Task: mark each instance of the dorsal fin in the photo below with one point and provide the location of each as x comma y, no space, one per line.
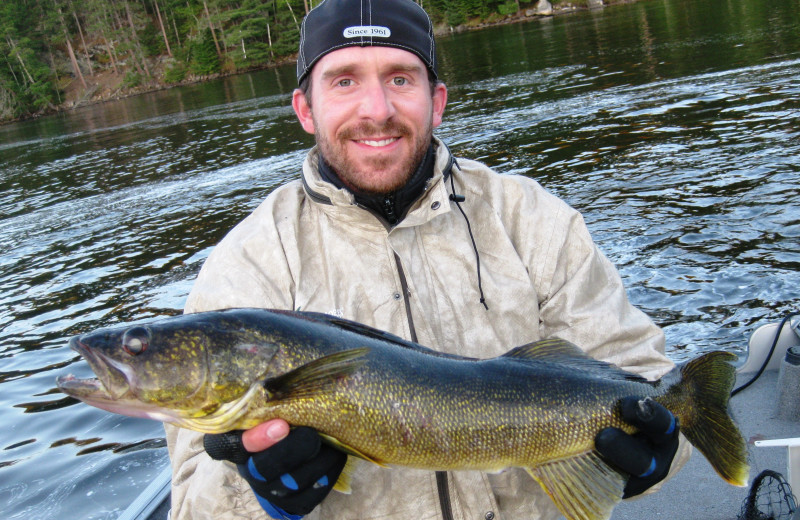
552,349
557,350
371,332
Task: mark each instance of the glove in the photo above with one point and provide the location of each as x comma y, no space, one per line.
290,478
647,454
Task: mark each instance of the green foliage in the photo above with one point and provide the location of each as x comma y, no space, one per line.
455,18
507,8
175,72
152,42
204,58
132,79
27,81
251,34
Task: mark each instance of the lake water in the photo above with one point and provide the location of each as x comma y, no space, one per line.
673,125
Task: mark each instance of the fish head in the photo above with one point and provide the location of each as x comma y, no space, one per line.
174,370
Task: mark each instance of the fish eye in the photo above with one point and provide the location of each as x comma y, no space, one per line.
136,340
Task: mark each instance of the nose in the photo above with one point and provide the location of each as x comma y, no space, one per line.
376,103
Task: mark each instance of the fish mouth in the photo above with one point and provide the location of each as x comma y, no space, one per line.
110,390
110,384
71,385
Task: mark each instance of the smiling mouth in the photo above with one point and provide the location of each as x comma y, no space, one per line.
378,143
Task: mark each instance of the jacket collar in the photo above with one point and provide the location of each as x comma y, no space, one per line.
342,202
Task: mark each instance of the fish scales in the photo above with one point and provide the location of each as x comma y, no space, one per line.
393,402
429,418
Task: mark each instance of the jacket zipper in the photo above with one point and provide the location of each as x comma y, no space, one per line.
404,289
441,476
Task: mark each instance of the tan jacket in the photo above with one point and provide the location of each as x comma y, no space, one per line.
308,247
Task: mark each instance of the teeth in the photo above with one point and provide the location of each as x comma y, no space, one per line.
384,142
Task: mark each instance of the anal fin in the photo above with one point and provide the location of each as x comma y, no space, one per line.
583,487
344,482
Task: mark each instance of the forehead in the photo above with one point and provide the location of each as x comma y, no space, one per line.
367,59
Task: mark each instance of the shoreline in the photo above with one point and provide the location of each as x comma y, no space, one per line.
107,87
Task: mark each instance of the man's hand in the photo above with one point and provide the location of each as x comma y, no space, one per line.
647,454
290,471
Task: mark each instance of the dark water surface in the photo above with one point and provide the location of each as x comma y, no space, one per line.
673,125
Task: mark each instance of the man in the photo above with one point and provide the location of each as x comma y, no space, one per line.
387,228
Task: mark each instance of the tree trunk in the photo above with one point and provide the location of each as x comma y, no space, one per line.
177,34
83,40
16,52
71,53
269,39
293,16
211,26
120,26
111,54
10,67
55,71
163,31
136,40
74,62
221,30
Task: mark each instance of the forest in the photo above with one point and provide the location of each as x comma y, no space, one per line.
62,52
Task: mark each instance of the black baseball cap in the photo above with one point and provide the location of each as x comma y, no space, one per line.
335,24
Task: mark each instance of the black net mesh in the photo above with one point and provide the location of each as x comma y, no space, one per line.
770,498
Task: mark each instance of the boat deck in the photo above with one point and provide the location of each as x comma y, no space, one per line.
697,492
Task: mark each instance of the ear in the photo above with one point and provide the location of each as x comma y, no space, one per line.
439,102
303,111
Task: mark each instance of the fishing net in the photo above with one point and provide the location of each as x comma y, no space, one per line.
770,498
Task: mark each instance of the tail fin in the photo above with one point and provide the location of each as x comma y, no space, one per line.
700,401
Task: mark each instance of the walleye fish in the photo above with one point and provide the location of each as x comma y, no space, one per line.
387,400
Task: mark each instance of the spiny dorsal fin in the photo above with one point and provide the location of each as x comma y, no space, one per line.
557,350
582,487
373,333
312,378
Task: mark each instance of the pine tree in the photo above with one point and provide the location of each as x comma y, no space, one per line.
205,59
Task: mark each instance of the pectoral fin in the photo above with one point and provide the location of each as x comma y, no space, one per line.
313,378
582,487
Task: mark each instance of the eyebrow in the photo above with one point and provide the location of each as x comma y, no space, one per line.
352,68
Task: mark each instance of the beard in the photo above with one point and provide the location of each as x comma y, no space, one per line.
379,174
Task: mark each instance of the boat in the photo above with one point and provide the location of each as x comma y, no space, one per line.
696,492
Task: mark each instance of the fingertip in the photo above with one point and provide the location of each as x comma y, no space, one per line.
265,435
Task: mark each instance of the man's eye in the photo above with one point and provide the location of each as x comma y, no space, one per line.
400,81
345,82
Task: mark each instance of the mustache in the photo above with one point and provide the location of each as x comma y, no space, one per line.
366,129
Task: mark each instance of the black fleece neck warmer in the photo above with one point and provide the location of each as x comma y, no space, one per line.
391,206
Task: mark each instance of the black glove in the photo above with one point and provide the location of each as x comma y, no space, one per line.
647,454
290,478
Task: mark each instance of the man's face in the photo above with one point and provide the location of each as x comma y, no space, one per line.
372,113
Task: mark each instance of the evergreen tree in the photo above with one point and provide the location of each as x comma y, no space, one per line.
45,43
26,80
205,59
